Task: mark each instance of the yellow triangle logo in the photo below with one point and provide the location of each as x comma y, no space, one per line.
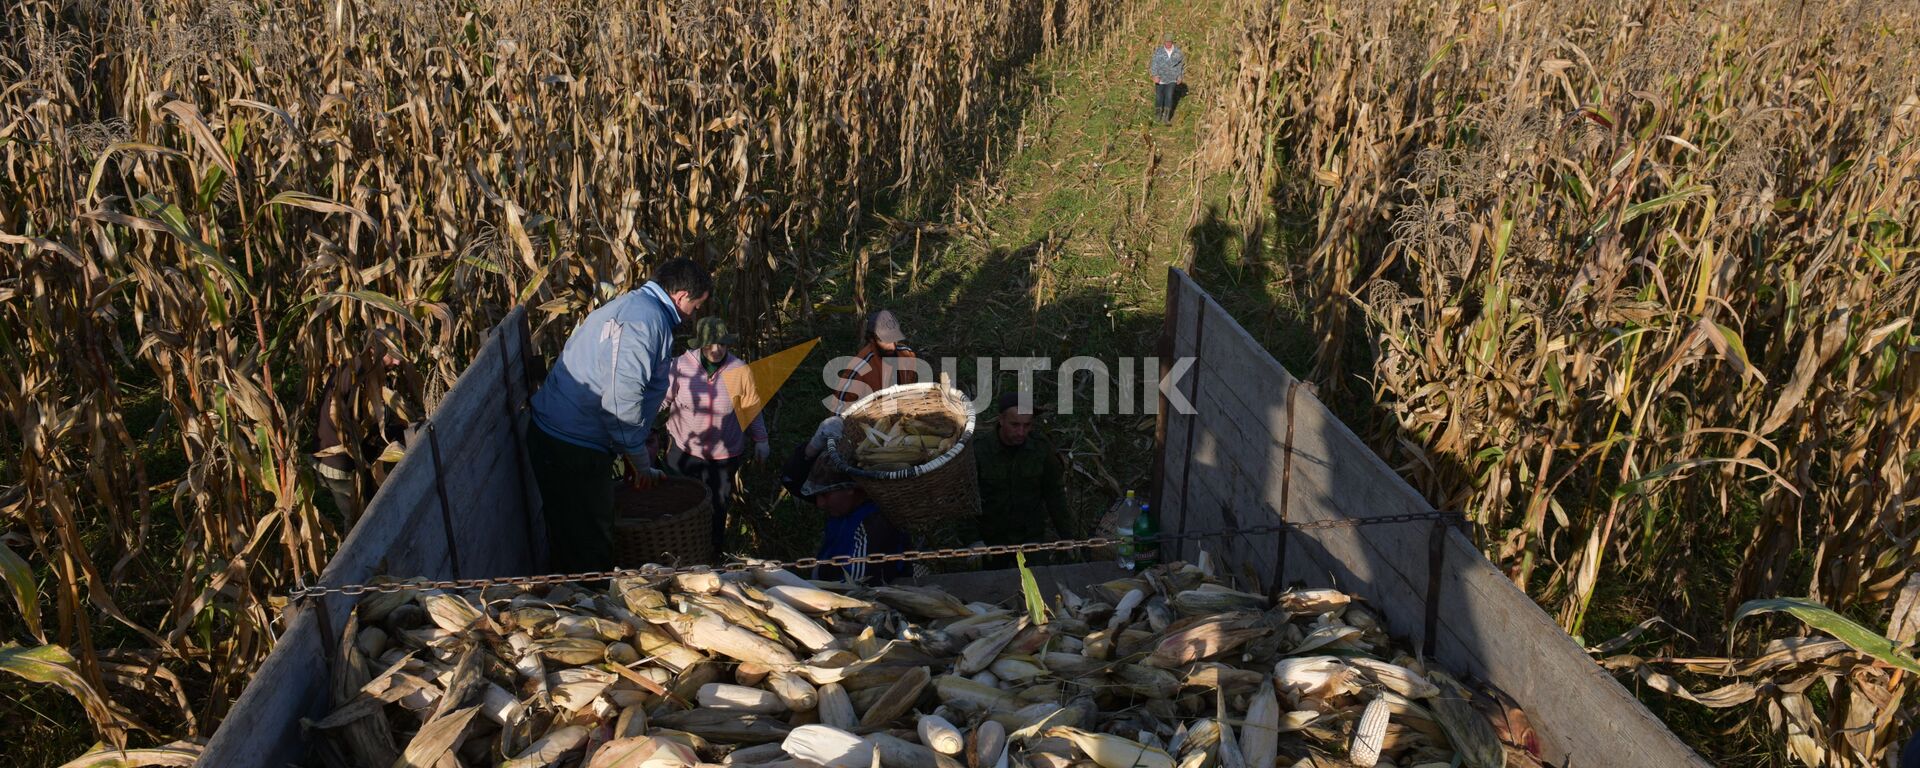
750,386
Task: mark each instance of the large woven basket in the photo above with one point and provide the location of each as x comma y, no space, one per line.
668,524
928,499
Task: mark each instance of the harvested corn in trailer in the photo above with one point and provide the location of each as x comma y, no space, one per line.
1165,669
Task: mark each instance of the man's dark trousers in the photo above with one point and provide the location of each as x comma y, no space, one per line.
576,496
1163,101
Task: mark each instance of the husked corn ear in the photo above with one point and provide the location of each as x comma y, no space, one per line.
1370,735
1112,751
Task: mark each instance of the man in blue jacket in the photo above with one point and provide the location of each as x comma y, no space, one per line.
598,403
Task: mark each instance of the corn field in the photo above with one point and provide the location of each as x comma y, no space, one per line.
1636,284
204,204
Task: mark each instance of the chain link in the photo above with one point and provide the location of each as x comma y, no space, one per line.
842,561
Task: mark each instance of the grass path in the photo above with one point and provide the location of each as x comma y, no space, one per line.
1061,250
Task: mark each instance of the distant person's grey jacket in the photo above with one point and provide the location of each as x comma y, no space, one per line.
1168,66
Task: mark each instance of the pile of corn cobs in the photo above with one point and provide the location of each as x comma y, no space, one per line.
898,442
1164,669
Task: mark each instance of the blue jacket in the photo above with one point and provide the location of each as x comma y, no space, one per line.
862,533
606,388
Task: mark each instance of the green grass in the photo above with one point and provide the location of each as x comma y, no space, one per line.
1072,217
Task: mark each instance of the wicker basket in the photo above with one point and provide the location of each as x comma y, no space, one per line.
927,498
668,524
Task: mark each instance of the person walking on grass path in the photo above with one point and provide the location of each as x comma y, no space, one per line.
709,442
1169,70
599,403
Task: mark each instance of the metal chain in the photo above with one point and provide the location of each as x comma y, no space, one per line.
843,561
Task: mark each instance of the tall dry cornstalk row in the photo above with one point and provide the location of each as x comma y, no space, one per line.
1639,284
204,204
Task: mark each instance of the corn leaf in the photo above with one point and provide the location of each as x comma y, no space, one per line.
52,665
179,753
1029,589
1840,627
26,594
436,739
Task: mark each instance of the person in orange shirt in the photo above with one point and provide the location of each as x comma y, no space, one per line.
881,362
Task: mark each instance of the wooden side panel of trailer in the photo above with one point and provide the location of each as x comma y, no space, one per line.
1256,444
489,524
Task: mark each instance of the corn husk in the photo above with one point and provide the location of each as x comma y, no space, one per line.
739,698
924,602
1468,730
733,612
712,634
548,749
1396,678
986,745
697,583
1147,682
1260,736
726,726
801,627
894,752
981,653
755,755
835,708
1202,641
1314,601
643,752
793,690
1112,751
571,650
939,735
898,699
451,613
828,746
1070,664
813,600
1313,677
1015,670
952,688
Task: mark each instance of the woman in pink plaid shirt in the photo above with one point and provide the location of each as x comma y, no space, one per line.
708,442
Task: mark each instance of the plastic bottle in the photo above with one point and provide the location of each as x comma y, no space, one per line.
1146,533
1126,511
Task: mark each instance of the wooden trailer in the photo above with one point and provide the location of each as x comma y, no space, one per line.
1256,448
